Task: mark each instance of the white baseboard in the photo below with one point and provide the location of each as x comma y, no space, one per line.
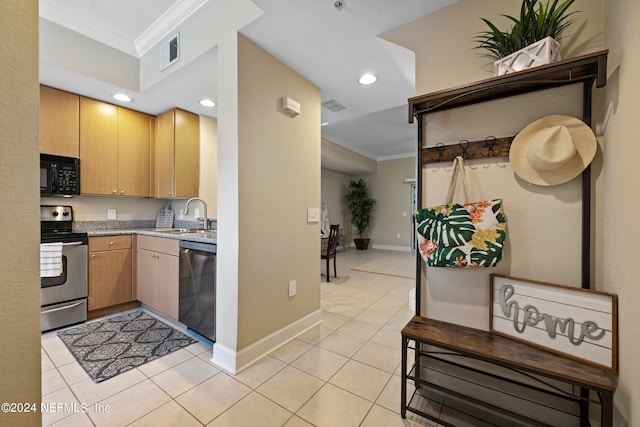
386,247
234,362
392,248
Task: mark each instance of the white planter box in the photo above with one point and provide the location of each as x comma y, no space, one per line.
539,53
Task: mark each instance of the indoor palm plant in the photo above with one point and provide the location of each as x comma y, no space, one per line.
360,205
532,40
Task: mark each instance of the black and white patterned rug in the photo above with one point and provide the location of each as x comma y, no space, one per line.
115,345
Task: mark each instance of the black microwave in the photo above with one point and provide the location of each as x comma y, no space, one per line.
59,176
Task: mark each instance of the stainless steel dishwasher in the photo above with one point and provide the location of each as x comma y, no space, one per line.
197,295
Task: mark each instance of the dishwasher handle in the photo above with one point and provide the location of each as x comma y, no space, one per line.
198,246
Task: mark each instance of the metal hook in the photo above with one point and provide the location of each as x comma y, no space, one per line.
440,147
490,142
464,147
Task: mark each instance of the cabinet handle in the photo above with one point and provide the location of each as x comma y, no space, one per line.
115,192
169,194
121,192
111,243
93,256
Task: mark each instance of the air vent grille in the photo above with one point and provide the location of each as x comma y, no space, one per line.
333,105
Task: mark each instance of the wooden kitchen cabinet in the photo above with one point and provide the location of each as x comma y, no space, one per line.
133,152
110,278
59,122
157,274
114,149
177,154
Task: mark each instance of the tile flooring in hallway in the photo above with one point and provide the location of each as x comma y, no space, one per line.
344,372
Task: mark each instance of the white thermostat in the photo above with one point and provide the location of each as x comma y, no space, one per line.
290,107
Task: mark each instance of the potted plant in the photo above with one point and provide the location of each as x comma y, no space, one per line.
360,204
532,41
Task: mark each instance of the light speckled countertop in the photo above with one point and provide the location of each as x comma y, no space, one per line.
209,237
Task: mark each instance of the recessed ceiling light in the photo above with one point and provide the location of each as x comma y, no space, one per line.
122,97
367,79
207,103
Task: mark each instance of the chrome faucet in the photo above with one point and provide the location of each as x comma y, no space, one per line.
204,206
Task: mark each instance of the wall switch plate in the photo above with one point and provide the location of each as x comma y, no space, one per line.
313,215
181,213
196,213
111,213
292,288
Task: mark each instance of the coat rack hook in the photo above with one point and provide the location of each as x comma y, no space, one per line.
464,144
490,142
440,148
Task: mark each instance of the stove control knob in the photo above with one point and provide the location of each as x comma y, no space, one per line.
55,213
65,213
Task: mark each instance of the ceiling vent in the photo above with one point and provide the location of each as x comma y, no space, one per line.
333,105
170,52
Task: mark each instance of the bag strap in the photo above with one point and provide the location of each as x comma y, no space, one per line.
458,168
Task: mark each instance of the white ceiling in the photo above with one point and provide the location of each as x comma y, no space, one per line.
329,47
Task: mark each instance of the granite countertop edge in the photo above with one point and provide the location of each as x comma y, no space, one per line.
193,237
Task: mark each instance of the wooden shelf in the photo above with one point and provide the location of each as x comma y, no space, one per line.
515,357
570,71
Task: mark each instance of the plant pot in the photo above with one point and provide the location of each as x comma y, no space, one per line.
362,244
542,52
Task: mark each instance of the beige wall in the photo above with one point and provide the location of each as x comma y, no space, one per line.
279,178
443,40
392,213
19,265
334,185
621,197
209,164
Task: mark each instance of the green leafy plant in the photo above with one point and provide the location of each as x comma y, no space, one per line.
534,24
360,204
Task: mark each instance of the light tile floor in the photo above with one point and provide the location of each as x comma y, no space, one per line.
344,372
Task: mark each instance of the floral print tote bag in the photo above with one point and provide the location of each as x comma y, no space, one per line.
461,235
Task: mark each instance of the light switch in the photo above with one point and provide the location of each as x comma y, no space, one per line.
111,213
313,215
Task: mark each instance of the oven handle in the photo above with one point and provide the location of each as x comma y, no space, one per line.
72,244
62,308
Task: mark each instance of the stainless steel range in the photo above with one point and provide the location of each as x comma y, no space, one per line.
63,296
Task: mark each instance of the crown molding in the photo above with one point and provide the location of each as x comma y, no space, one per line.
167,23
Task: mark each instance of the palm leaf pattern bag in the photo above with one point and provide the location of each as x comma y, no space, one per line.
461,235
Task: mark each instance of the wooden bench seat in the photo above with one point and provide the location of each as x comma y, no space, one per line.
504,352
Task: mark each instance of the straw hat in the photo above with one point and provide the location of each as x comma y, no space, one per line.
552,150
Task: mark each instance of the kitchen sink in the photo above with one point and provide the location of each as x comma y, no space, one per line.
193,232
208,234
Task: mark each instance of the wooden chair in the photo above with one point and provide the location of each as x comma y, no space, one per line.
332,244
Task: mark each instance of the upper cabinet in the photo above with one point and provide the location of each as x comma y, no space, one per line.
177,154
59,122
114,149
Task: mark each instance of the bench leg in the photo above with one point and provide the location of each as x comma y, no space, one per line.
403,376
607,409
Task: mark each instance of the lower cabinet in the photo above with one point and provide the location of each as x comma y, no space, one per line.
110,279
157,274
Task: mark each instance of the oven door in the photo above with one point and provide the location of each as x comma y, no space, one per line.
72,283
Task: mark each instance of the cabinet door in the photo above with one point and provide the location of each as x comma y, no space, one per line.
168,285
187,154
109,278
164,159
98,147
146,277
59,122
133,153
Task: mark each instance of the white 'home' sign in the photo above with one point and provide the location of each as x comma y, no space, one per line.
575,322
